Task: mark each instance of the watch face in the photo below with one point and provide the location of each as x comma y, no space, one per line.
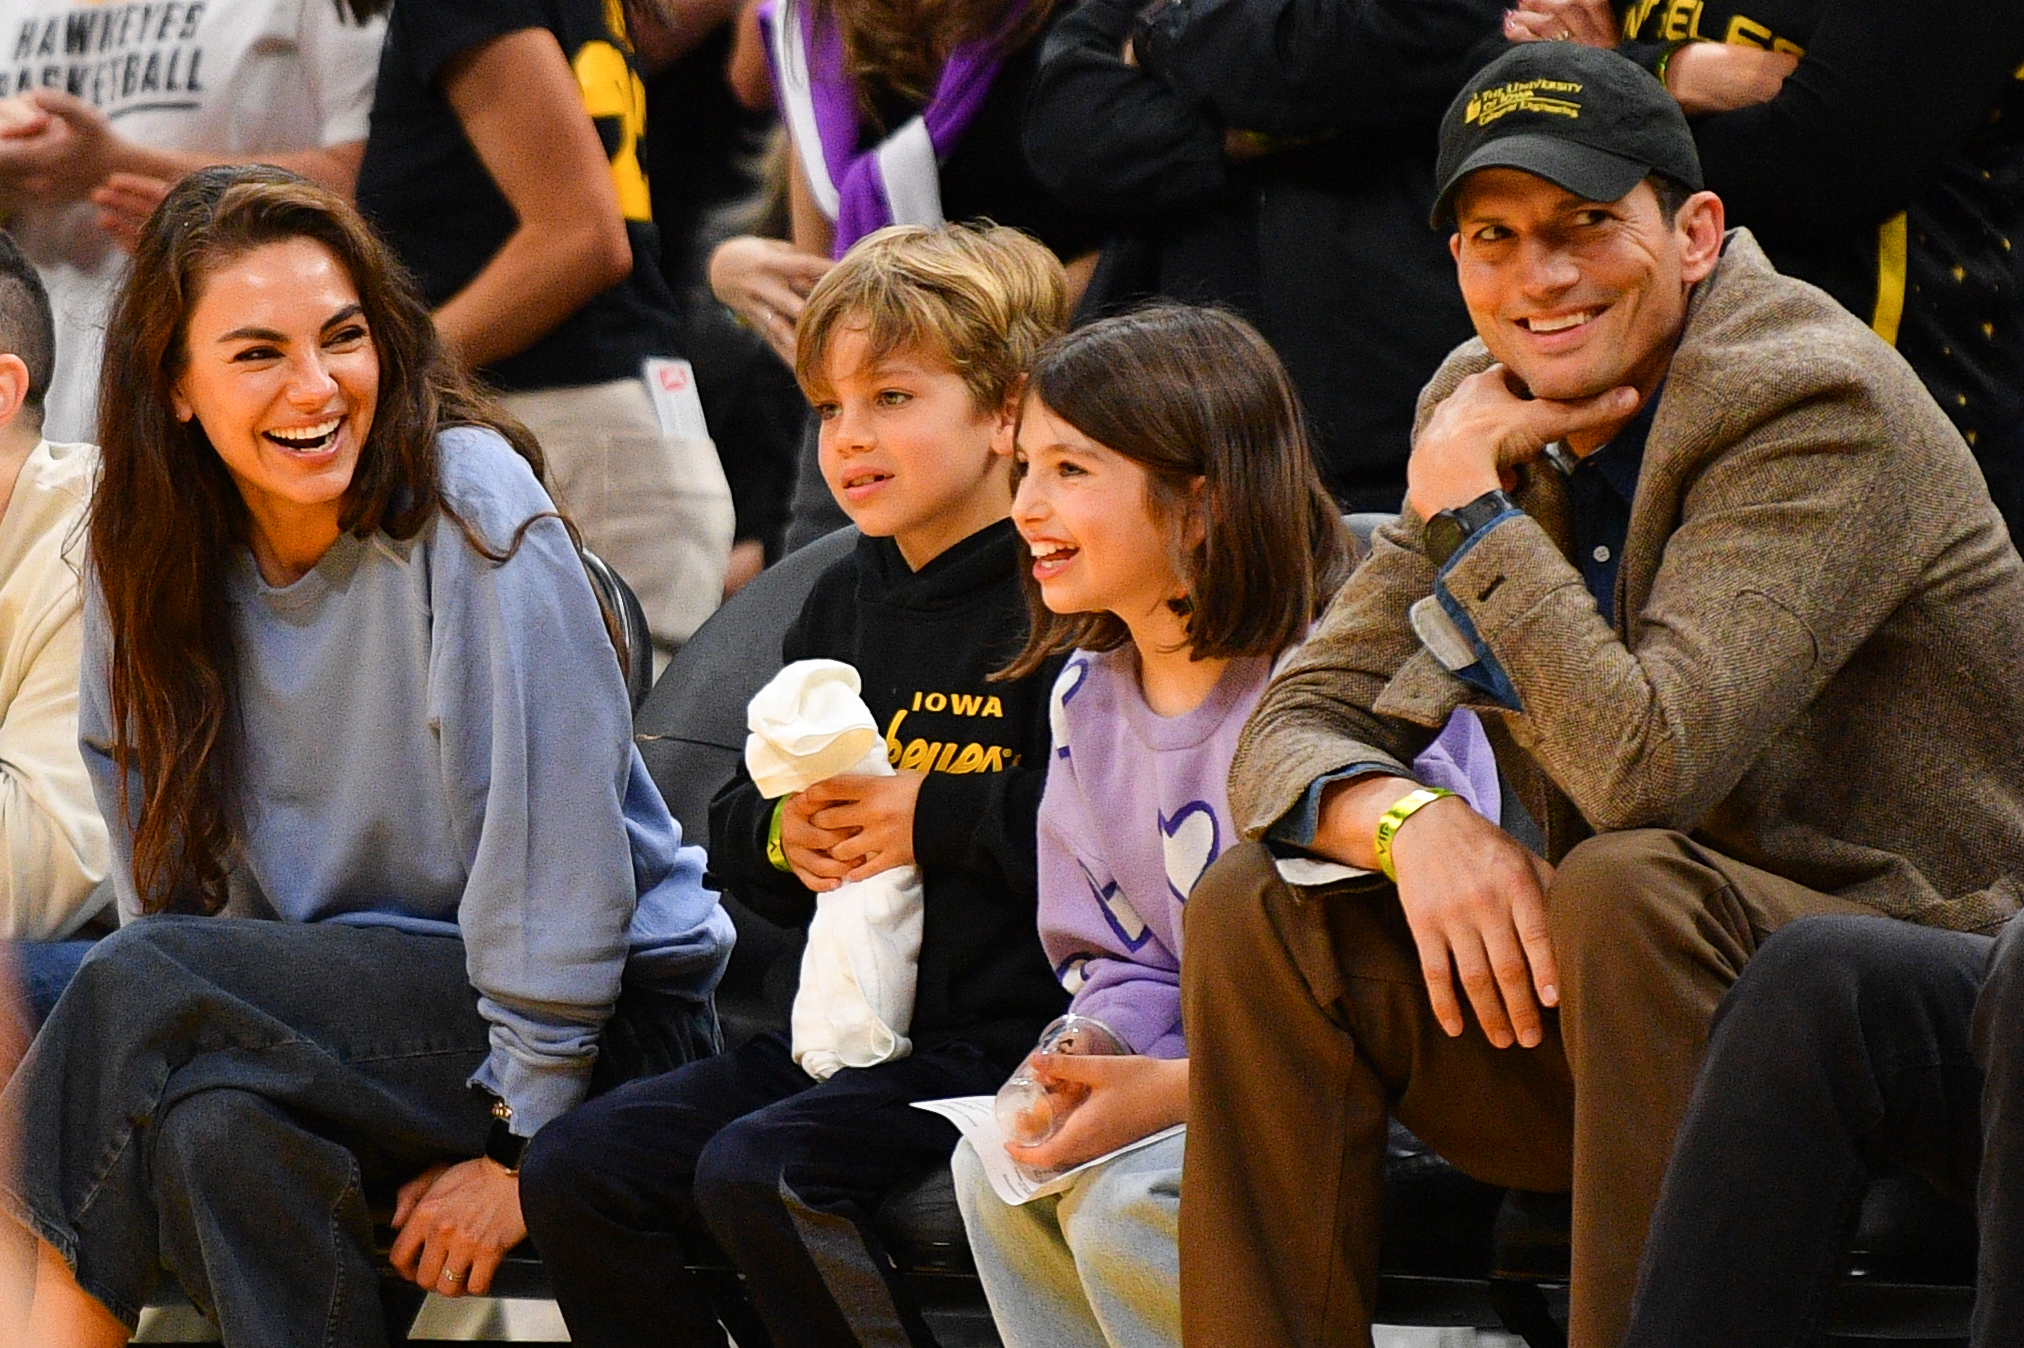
1444,535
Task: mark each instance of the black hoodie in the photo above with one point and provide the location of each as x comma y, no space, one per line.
925,644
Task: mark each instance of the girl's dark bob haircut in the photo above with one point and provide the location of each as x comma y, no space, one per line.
1196,396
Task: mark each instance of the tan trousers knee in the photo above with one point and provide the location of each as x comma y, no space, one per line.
655,507
1308,1021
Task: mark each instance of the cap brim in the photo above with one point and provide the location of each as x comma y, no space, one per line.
1589,173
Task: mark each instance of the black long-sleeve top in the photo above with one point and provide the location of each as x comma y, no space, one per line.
925,643
1889,171
1323,245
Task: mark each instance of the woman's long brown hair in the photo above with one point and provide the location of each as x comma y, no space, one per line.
897,48
166,513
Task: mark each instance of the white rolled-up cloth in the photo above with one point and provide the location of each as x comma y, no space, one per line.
856,998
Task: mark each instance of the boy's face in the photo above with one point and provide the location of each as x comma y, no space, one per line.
907,452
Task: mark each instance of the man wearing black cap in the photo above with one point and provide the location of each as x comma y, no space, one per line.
1746,632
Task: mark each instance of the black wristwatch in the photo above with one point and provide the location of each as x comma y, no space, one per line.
502,1144
1449,529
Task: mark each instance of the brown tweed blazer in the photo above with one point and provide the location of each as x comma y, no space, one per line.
1818,661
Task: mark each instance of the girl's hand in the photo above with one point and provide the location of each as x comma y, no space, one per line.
125,201
1125,1099
876,815
456,1223
1589,22
766,283
1709,77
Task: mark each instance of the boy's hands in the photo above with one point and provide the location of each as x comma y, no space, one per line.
850,827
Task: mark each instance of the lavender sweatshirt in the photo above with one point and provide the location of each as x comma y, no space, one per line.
1136,808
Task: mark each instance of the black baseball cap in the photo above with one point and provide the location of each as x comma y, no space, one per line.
1582,118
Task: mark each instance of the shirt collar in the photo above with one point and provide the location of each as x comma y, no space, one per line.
1619,462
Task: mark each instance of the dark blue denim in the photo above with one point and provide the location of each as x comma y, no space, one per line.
46,970
225,1098
743,1153
1849,1043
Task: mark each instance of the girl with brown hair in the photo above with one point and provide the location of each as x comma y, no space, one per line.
1181,542
342,668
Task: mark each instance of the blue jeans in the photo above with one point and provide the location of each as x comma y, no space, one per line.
46,970
229,1099
1097,1265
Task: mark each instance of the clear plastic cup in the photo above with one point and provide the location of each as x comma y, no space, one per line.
1029,1111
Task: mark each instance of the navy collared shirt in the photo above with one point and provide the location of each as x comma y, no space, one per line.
1600,490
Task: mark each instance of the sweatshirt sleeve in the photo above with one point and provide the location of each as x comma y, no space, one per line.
1132,984
537,748
1878,104
741,818
52,841
1112,135
1301,68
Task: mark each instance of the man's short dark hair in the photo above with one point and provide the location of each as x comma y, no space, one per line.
26,326
1672,194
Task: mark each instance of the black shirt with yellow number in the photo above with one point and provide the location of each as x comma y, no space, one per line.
425,188
925,644
1889,171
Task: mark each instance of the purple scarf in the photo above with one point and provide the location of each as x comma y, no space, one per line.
857,189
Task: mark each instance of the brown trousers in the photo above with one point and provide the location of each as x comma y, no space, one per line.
1308,1021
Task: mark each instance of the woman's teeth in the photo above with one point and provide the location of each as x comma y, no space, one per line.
307,438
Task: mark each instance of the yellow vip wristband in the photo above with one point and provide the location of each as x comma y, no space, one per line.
1393,819
775,853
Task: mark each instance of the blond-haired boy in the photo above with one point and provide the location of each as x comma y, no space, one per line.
912,350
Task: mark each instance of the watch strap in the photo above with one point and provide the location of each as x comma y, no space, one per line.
502,1144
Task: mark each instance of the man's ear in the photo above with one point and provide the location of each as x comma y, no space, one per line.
13,387
1700,226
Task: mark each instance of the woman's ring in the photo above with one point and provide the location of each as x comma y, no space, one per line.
448,1276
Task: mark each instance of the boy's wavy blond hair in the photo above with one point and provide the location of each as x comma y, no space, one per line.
982,299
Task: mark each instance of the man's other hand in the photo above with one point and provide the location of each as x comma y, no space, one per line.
1473,898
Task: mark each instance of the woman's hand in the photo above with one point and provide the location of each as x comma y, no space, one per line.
1125,1099
1589,22
456,1224
1720,77
766,283
125,201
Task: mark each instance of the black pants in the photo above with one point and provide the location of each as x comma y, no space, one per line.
1848,1044
782,1172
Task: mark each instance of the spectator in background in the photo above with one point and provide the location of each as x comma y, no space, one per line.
706,155
108,104
1876,151
893,123
1278,158
504,169
52,841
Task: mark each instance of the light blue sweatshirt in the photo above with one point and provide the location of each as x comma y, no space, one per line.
435,742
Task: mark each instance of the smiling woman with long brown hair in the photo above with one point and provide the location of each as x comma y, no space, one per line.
342,667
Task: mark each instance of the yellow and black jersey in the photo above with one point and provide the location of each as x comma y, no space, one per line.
423,184
1890,172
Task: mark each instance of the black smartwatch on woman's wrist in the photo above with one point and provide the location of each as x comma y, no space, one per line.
502,1144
